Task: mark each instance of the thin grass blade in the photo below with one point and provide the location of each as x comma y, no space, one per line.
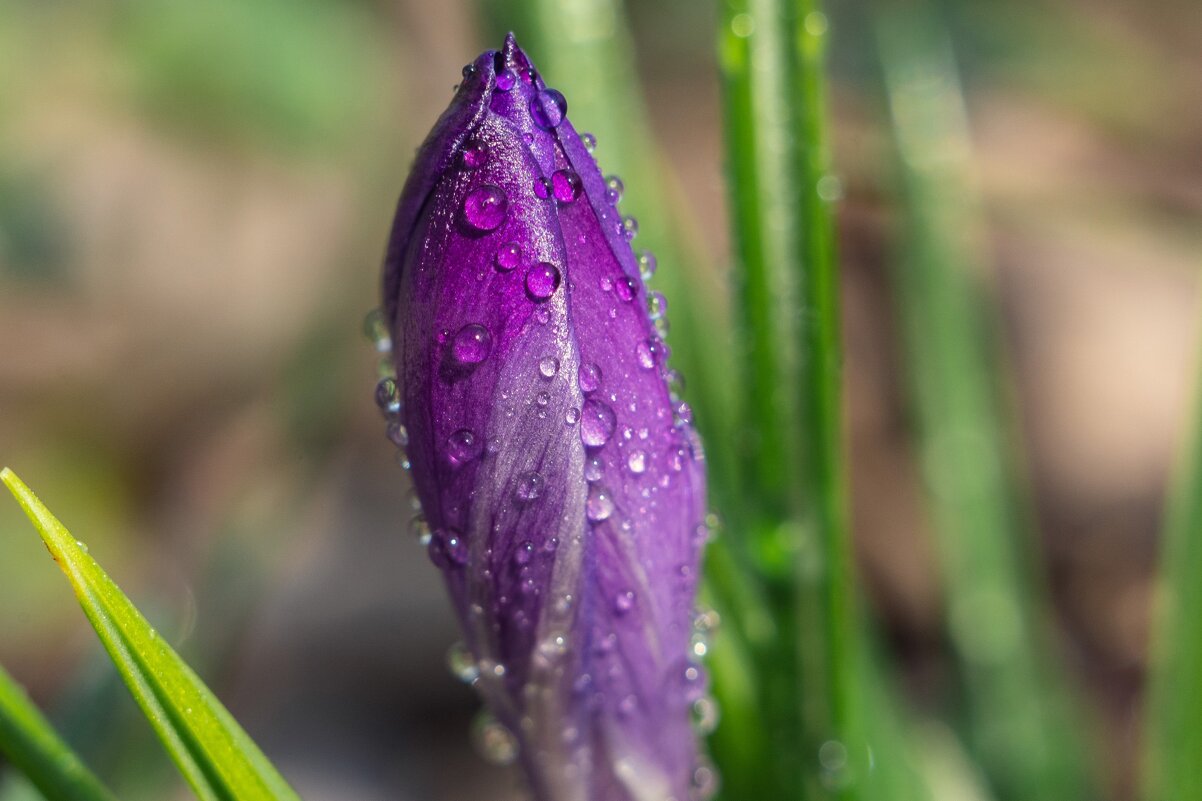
215,756
1021,726
30,743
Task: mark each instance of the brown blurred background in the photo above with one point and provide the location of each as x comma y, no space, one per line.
194,199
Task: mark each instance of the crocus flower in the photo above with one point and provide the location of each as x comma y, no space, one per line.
561,481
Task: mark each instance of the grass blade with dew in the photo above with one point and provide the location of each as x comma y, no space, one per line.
1020,716
215,756
1173,715
771,54
30,743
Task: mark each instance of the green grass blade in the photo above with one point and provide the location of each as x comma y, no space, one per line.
1173,718
211,750
30,743
1021,725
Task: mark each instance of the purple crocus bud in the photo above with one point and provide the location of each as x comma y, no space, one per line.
560,479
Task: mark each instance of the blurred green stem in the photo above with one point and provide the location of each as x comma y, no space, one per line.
31,744
1021,726
1173,740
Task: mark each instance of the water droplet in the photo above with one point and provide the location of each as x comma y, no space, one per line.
524,553
597,423
529,76
705,715
590,378
494,742
485,207
630,227
472,344
657,305
590,141
421,530
542,187
647,264
599,504
461,662
626,288
506,79
623,602
683,414
566,185
572,416
614,189
548,108
645,352
448,548
594,468
397,433
637,462
548,366
375,328
530,487
742,25
508,256
706,621
542,398
388,397
81,545
462,447
705,781
541,281
475,154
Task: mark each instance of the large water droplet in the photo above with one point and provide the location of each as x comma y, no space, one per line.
599,504
530,487
541,281
597,423
462,447
566,185
548,366
506,79
572,416
475,154
472,344
485,207
590,378
508,256
548,108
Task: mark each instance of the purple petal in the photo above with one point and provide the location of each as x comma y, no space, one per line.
563,485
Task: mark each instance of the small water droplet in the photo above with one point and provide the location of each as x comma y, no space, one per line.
657,305
508,256
397,433
599,504
542,398
524,553
645,353
590,142
566,185
626,288
683,414
388,396
630,227
448,548
589,376
647,264
705,715
597,423
594,468
530,487
572,416
506,79
494,742
475,154
462,447
421,530
548,108
614,189
623,602
541,281
461,662
485,207
472,344
548,366
375,328
637,462
542,187
82,545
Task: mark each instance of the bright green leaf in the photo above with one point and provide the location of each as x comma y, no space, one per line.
214,754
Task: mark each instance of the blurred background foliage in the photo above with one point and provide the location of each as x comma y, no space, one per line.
194,199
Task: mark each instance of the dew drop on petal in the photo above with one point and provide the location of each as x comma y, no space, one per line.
472,344
599,504
657,305
494,742
590,142
462,447
613,189
637,462
506,79
542,187
448,548
647,264
508,256
475,154
530,487
626,288
388,396
541,281
485,207
590,378
597,423
624,602
566,185
594,468
644,352
572,416
548,108
548,366
461,662
524,553
630,227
